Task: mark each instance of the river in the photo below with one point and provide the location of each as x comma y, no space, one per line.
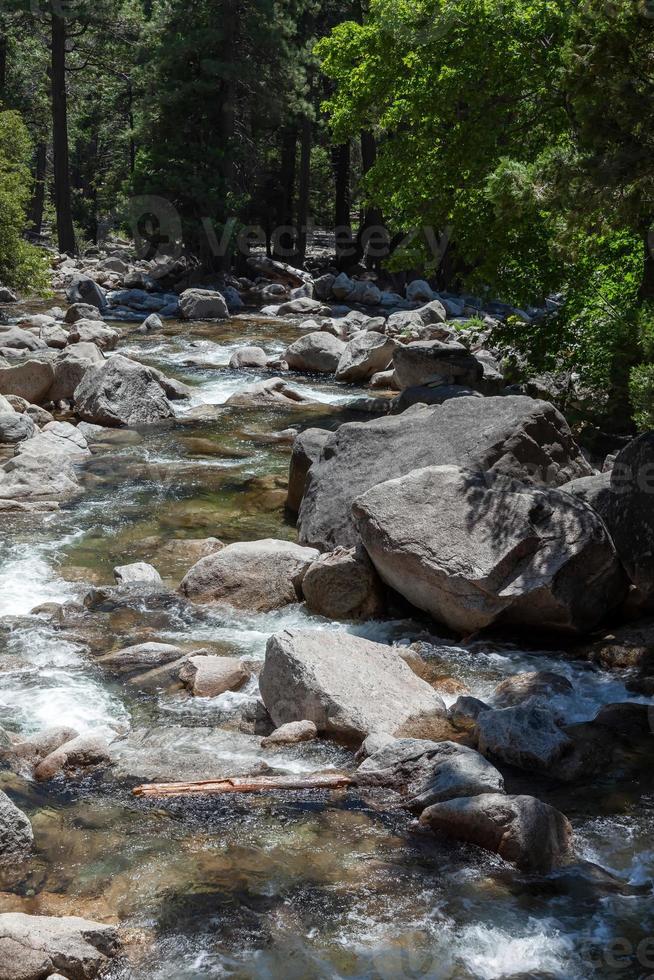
305,885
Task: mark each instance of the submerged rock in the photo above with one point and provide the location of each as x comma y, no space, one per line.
472,549
348,686
521,829
16,837
256,575
273,391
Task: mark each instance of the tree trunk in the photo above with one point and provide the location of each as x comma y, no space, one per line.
373,218
38,199
342,201
130,120
282,235
62,196
306,135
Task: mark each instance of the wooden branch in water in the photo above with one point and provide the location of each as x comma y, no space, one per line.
244,785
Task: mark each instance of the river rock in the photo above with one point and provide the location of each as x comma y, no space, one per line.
526,736
419,291
30,380
366,354
30,479
472,549
255,575
319,352
16,339
69,369
343,584
121,392
348,686
307,448
248,357
541,684
631,512
272,392
15,428
33,947
464,712
429,394
152,323
593,490
31,751
74,758
438,363
54,336
16,837
56,439
7,296
291,734
429,772
141,656
138,571
525,438
83,289
203,304
521,829
302,305
94,332
209,677
82,311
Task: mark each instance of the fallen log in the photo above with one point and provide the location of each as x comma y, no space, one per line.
244,785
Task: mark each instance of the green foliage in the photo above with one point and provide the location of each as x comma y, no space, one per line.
21,265
641,392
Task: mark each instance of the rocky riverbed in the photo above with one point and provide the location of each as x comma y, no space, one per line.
423,609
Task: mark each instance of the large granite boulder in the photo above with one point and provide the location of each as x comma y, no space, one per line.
122,392
429,772
257,575
83,289
307,448
318,351
475,548
94,332
367,353
56,439
343,584
14,338
203,304
15,428
435,362
525,735
69,369
30,380
33,947
516,435
348,686
16,837
521,829
31,478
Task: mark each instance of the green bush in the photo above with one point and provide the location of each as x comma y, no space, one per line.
641,391
22,266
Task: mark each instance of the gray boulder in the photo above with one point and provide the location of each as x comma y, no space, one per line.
16,837
516,435
69,369
83,289
138,571
429,772
268,393
27,478
525,736
472,549
301,305
121,392
593,490
306,451
203,304
248,357
530,685
56,440
521,829
210,676
94,332
348,686
434,362
366,354
33,947
257,575
319,352
344,585
82,311
6,295
30,380
15,428
17,339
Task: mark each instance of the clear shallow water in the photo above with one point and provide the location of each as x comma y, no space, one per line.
311,885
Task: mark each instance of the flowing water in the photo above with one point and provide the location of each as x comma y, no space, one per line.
303,885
